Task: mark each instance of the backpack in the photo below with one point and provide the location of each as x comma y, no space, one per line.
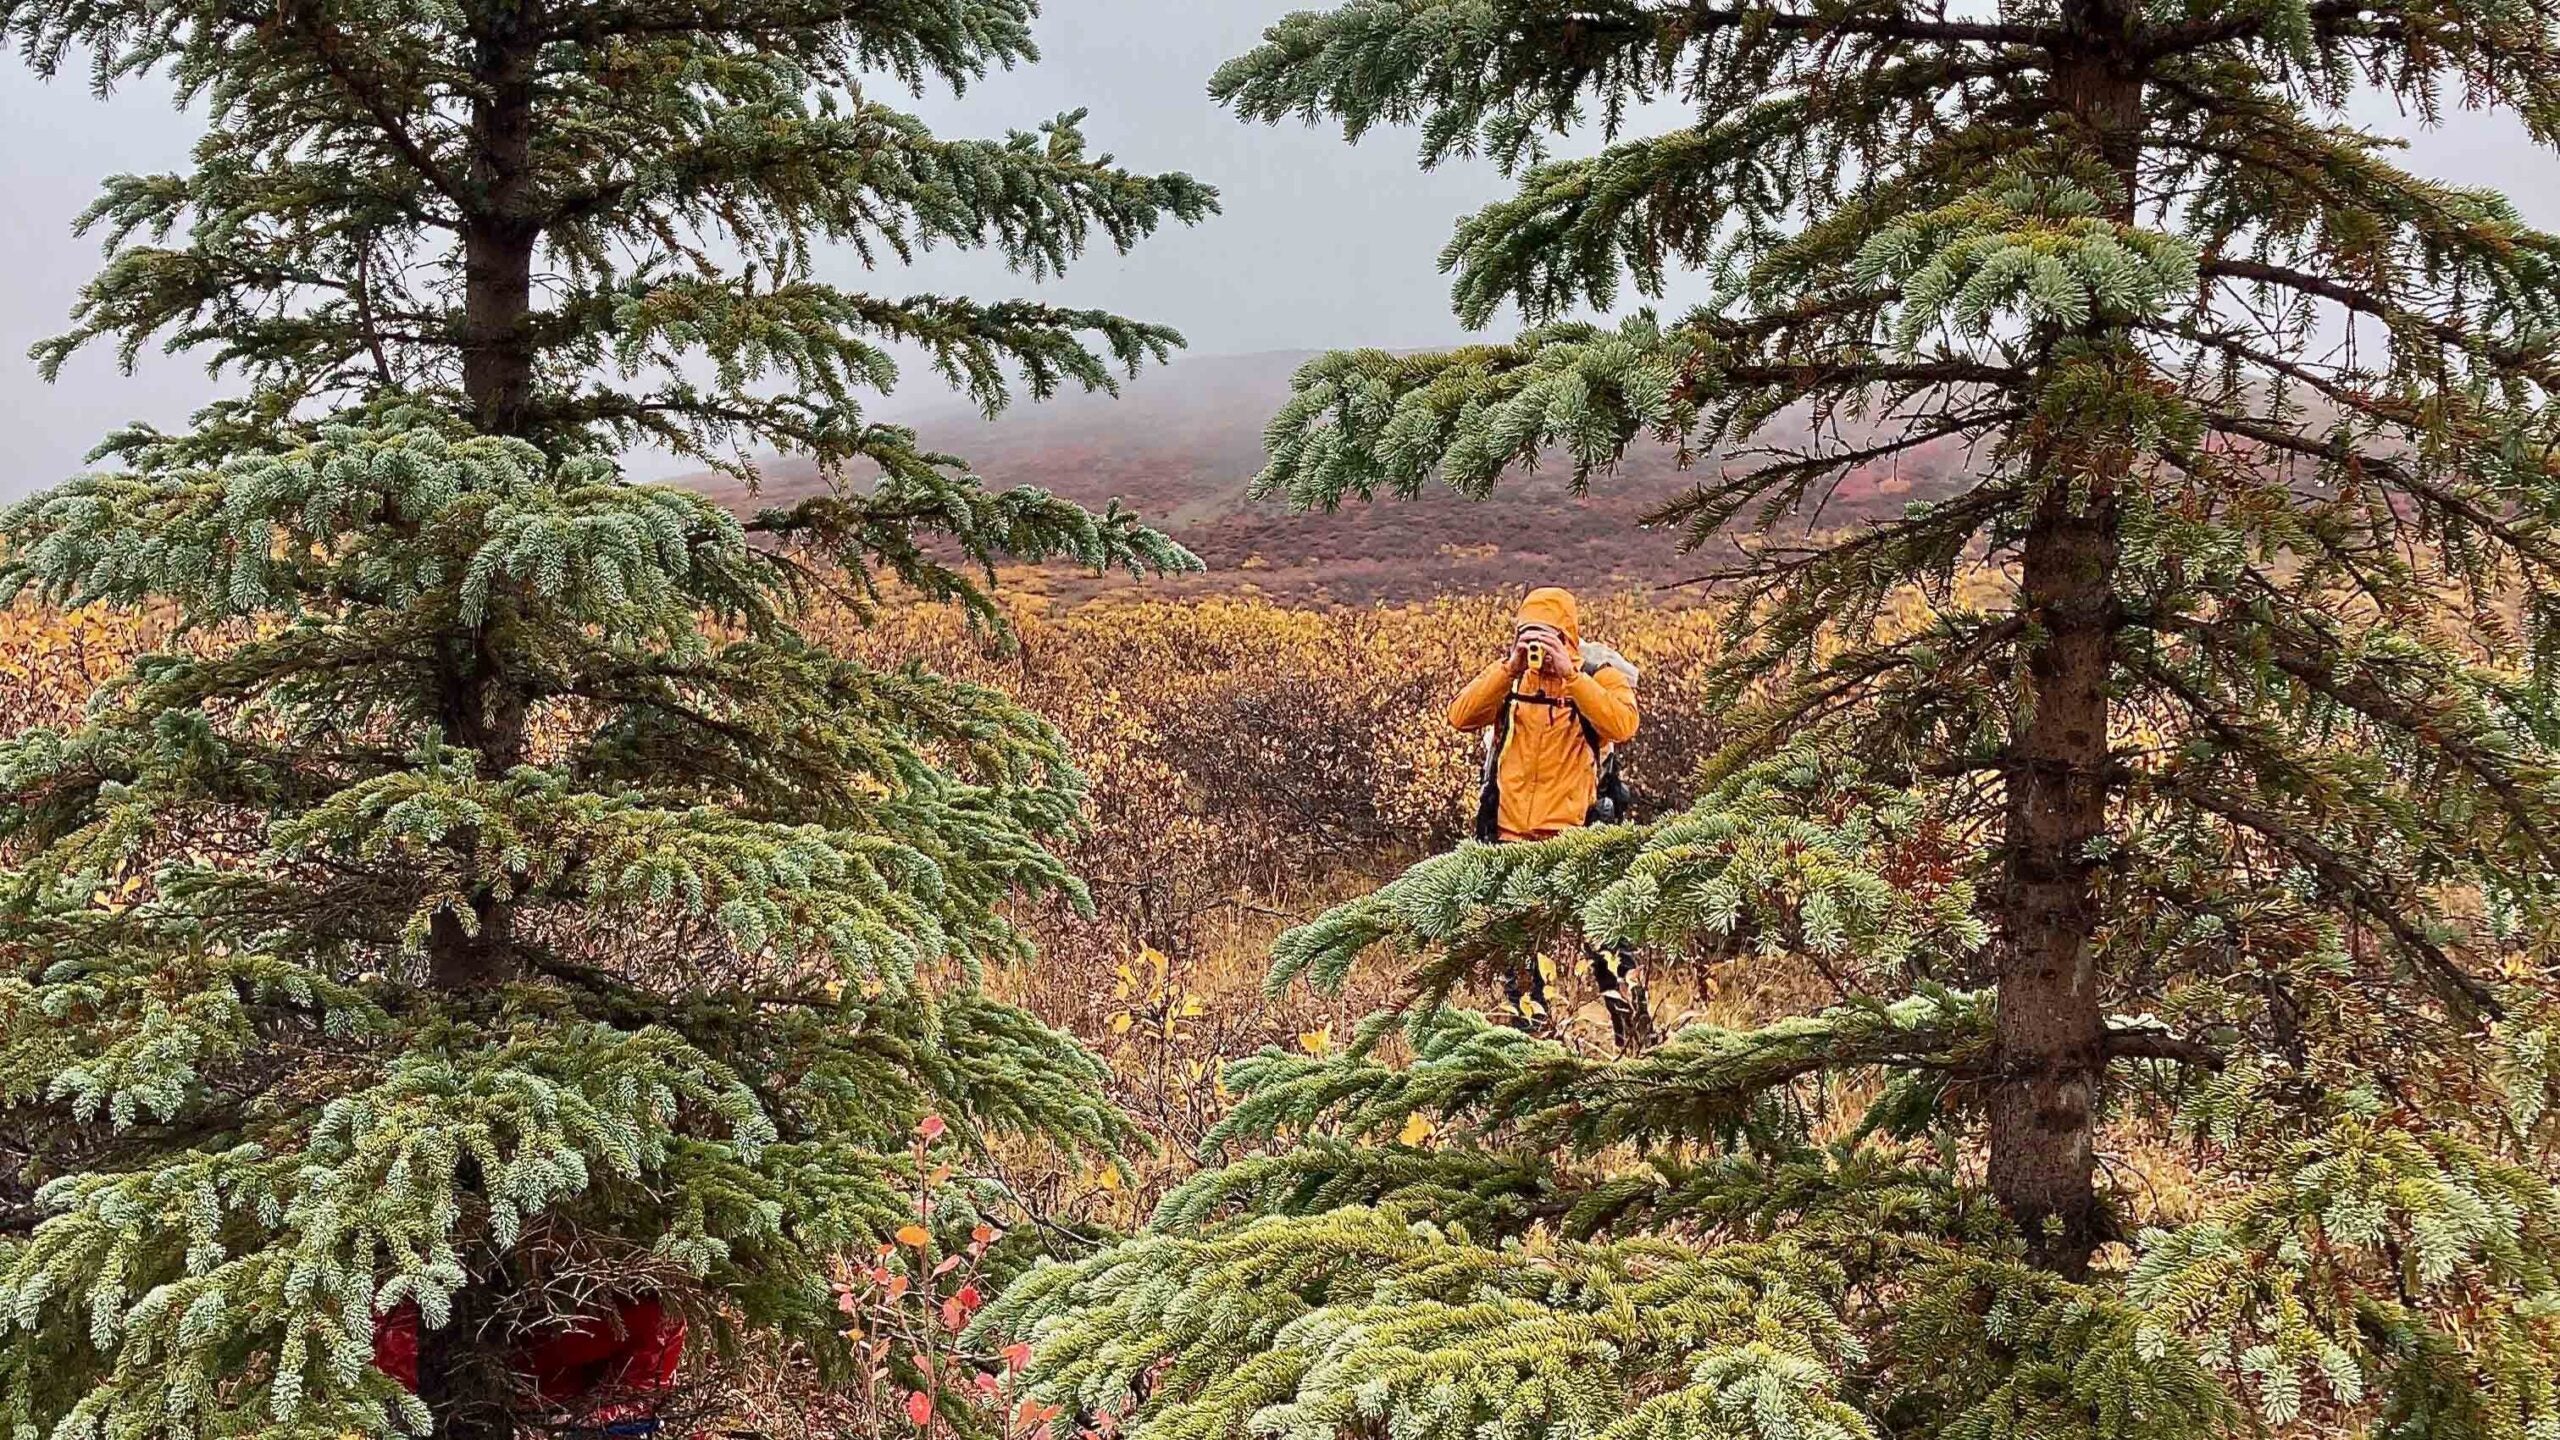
1610,797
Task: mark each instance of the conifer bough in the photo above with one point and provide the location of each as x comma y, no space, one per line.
492,903
2224,807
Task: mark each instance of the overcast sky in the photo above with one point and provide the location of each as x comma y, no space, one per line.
1321,244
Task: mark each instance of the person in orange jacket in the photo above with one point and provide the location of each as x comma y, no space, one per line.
1553,723
1547,773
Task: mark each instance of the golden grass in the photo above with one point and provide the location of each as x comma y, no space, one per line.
1249,763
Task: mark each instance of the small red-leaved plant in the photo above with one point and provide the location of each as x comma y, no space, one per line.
906,1311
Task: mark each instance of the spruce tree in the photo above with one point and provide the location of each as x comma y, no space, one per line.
491,904
2185,770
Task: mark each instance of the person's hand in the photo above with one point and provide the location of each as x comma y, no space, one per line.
1549,649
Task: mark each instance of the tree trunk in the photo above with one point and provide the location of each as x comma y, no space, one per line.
2052,1033
2052,1029
484,713
470,955
462,1373
497,360
499,235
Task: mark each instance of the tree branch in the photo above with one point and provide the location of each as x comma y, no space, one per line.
326,46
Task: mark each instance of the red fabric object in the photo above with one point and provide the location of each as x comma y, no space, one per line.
395,1344
630,1359
627,1360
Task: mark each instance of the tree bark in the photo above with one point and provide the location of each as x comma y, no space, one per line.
2051,1027
497,360
499,232
462,1372
484,713
2052,1031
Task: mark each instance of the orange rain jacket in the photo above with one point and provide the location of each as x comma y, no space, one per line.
1548,773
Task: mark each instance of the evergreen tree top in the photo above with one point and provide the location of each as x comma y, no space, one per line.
672,173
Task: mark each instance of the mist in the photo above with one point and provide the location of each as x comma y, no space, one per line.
1321,244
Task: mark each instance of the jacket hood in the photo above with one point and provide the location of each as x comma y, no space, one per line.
1553,606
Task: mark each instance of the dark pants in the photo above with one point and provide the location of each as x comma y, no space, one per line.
1618,973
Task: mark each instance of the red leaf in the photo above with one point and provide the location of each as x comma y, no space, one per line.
931,1127
1017,1355
919,1407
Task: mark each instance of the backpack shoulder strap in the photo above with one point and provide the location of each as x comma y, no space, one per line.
1502,725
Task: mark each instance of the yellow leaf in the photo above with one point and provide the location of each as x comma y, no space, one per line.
1415,1131
1155,957
914,1235
1191,1006
1109,1179
1121,1022
1547,967
1316,1042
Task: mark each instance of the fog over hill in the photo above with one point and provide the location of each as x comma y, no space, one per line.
1181,444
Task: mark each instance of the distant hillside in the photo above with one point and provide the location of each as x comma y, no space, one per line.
1181,446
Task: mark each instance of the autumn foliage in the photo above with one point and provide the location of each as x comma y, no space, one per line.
1248,762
